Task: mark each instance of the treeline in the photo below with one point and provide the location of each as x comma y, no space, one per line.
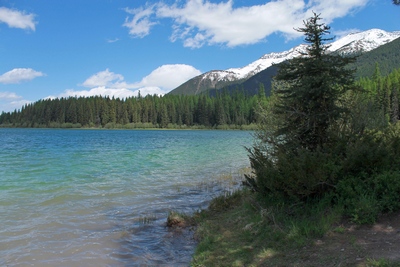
383,92
151,111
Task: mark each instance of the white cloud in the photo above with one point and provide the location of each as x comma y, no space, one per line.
331,10
139,25
112,40
201,22
160,81
169,77
19,75
17,19
150,91
105,78
101,90
8,95
111,92
10,101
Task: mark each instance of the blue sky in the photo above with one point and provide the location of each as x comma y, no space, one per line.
54,48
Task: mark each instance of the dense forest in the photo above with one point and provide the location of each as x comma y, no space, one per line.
382,93
224,110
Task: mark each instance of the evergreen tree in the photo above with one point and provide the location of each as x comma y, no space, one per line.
313,83
296,151
261,91
376,76
71,115
163,116
395,106
104,112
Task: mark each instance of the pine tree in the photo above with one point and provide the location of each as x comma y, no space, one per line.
297,145
395,106
313,83
71,115
376,76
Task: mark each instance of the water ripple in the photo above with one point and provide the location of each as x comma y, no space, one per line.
101,198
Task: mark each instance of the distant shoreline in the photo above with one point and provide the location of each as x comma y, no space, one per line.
132,126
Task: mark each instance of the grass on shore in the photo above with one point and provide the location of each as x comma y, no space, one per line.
243,230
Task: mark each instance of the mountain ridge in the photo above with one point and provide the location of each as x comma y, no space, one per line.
359,42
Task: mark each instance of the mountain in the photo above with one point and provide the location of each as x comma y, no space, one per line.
359,43
386,56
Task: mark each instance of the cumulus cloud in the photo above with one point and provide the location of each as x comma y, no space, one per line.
19,75
10,101
331,10
201,22
159,82
105,78
8,95
111,92
169,77
17,19
99,91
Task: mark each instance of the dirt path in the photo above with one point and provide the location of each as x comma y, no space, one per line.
351,245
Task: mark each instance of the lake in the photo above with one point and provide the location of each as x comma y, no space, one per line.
101,197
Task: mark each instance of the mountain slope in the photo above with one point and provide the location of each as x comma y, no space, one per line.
387,57
353,43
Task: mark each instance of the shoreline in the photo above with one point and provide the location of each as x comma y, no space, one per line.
248,127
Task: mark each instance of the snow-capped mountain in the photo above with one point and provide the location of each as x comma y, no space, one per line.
353,43
363,41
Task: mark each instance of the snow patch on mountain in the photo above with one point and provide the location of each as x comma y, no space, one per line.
355,42
363,41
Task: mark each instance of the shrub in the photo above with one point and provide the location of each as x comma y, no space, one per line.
365,196
367,154
300,174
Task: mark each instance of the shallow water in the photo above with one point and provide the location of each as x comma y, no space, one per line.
101,198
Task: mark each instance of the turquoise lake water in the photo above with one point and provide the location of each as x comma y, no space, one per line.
101,197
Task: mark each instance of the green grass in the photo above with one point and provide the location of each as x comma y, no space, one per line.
241,229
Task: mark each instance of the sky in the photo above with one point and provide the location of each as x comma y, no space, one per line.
55,48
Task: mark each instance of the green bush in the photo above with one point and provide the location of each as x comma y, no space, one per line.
387,190
300,174
365,196
373,152
363,171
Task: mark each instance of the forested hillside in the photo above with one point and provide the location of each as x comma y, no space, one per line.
383,90
387,56
170,111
